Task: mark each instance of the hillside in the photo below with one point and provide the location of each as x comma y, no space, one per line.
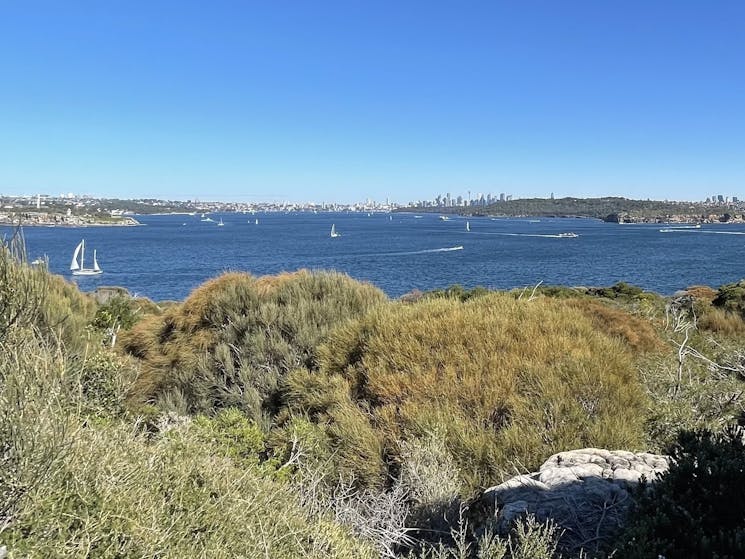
307,415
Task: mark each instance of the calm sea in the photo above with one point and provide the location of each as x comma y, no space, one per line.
170,255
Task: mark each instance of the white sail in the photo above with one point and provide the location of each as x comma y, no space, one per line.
468,226
78,267
333,231
74,264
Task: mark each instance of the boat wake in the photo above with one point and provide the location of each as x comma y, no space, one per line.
413,252
545,236
425,251
705,231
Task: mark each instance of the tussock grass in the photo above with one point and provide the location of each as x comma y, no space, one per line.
507,382
235,337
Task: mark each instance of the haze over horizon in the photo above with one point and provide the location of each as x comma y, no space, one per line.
336,101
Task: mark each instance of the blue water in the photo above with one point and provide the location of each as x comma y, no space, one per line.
172,254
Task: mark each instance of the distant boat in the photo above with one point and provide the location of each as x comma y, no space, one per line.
78,268
677,227
418,216
468,226
567,235
334,234
256,222
206,219
444,218
390,218
38,262
220,223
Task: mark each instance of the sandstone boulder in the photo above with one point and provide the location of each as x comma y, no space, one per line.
586,493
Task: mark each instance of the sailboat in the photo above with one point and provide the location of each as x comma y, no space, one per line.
220,223
256,222
468,226
78,268
334,234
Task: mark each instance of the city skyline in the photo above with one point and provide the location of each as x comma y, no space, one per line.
342,102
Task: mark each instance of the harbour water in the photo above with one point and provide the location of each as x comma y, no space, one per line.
169,255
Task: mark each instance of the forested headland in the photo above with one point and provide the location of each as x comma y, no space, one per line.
614,209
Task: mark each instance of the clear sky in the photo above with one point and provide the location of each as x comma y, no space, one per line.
315,100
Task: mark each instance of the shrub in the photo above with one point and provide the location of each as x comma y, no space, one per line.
235,337
119,493
697,508
23,289
505,381
731,297
34,427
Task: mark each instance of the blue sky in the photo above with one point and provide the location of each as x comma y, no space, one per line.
347,100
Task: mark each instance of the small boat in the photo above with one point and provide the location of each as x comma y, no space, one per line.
256,222
207,219
39,261
220,223
78,268
468,226
444,218
567,235
334,234
418,216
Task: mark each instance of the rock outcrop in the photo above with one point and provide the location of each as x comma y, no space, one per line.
586,493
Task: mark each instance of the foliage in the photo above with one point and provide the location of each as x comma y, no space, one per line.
234,434
696,509
23,288
457,292
119,493
505,381
66,314
34,431
529,539
731,297
117,312
233,340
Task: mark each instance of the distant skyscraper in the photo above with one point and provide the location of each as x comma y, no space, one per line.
501,197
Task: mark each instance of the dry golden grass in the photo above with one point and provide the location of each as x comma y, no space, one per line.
702,293
721,321
637,333
506,381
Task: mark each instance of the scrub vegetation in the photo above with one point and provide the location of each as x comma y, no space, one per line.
307,415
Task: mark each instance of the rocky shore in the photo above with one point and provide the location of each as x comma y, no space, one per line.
50,219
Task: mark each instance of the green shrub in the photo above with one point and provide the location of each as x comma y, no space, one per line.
696,509
731,297
119,493
233,340
234,434
23,288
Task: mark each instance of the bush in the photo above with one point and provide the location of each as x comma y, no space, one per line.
119,493
235,337
506,382
731,297
23,288
696,509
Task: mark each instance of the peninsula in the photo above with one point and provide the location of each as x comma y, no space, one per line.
611,209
